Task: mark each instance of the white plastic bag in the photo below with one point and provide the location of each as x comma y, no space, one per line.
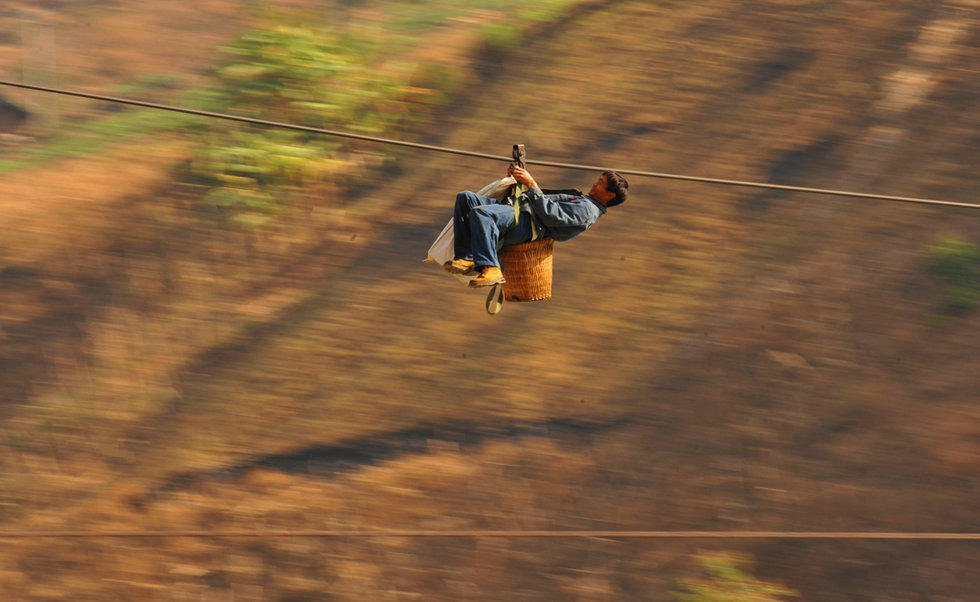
441,250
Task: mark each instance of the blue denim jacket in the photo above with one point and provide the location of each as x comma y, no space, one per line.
562,214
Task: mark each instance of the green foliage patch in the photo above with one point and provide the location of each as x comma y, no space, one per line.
298,72
305,75
729,579
957,263
505,36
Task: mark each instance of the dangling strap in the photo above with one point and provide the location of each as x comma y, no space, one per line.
495,299
517,191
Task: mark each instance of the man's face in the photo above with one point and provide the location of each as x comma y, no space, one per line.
599,192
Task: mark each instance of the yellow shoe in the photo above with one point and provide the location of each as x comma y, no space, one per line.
459,266
488,277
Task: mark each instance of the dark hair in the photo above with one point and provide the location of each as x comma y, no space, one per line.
617,184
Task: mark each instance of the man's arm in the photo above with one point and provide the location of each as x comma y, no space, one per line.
551,212
521,175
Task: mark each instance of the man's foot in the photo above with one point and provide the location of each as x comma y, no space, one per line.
488,277
460,266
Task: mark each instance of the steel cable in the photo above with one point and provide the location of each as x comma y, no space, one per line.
463,152
863,535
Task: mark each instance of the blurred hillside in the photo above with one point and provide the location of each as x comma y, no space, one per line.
713,357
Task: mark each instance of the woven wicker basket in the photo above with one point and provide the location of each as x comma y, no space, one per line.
527,268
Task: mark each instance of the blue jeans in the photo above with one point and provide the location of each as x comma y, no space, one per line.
481,225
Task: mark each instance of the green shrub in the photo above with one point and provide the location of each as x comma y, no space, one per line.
296,74
500,38
441,81
728,580
317,77
957,263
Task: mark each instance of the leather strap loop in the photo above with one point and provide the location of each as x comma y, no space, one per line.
495,299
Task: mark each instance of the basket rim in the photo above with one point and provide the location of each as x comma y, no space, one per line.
531,244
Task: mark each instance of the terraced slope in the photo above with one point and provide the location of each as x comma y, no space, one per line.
726,355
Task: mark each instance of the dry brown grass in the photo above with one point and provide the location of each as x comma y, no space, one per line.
103,43
780,360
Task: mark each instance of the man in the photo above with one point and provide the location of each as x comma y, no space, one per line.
481,223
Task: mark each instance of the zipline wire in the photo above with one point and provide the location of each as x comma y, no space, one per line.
833,535
457,151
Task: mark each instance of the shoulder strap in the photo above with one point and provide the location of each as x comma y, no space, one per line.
562,191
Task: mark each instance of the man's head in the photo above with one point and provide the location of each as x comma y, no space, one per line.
610,189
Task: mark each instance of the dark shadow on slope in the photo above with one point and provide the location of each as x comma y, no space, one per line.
768,72
791,168
26,358
330,460
490,58
16,275
11,116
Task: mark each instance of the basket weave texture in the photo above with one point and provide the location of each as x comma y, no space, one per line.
527,269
